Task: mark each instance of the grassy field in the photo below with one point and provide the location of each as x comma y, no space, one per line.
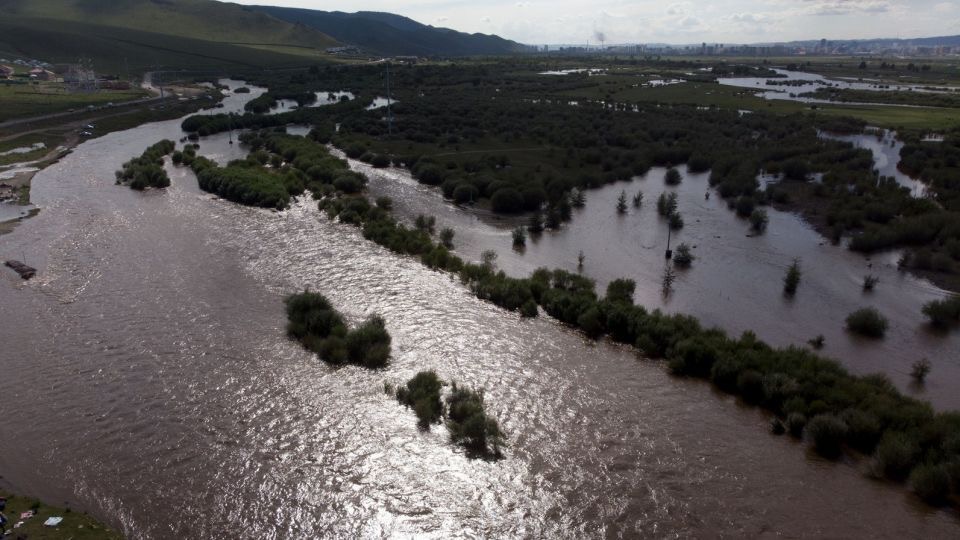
18,101
620,89
76,526
49,140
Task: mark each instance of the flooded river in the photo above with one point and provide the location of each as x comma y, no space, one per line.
148,380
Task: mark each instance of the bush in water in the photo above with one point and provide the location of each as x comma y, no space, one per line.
867,322
320,328
469,424
422,394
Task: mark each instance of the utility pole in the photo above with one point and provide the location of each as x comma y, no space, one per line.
669,251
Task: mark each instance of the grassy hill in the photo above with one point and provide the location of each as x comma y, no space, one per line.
198,19
386,33
114,49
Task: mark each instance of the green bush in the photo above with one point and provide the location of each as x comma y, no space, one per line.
792,279
369,344
931,483
896,455
867,322
422,394
469,424
827,433
943,313
313,321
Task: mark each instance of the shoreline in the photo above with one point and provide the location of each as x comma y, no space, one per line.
68,127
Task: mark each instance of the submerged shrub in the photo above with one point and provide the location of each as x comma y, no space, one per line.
795,424
369,344
792,279
896,455
827,433
320,328
469,424
943,313
931,483
867,322
422,394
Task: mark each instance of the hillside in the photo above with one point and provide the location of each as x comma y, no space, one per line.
118,50
386,33
198,19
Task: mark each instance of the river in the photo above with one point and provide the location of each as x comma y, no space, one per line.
148,380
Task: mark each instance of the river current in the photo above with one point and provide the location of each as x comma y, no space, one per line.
148,380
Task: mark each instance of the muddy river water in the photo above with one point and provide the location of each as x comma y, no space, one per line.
147,377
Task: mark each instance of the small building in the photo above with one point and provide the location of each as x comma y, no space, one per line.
41,74
6,72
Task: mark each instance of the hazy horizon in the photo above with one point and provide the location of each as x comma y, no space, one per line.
538,22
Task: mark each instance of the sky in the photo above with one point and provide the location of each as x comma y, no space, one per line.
649,21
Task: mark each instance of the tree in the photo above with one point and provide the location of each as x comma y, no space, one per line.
667,204
622,203
920,369
535,223
638,199
867,322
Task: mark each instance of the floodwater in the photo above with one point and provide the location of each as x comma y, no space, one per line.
148,380
735,283
885,147
801,83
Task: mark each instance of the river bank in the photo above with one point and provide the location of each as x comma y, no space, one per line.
27,518
61,133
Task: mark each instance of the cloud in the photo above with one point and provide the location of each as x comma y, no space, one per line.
845,7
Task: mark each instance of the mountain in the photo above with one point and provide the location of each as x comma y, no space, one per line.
176,33
386,33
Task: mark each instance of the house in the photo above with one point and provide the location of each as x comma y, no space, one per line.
6,72
41,74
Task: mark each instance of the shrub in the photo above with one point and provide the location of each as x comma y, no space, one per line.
827,433
446,237
759,220
622,203
667,204
676,221
422,394
673,177
931,483
380,161
920,370
792,279
896,455
369,344
465,193
469,424
795,424
621,290
867,322
870,282
506,201
863,430
745,206
519,237
683,257
320,328
943,313
349,183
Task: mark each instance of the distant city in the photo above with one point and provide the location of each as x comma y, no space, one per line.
932,47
